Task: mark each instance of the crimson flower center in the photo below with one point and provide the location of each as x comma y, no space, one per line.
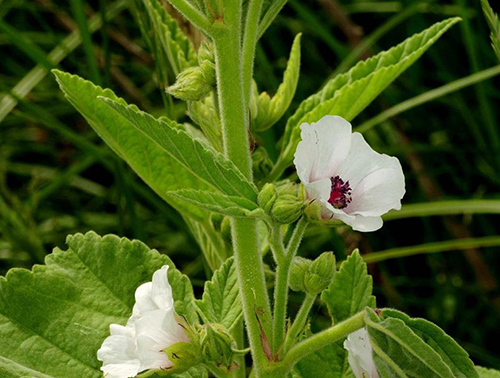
340,195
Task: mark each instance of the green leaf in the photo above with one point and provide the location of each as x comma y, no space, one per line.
328,362
400,352
349,93
217,202
351,289
271,110
54,318
176,46
203,162
487,373
452,354
221,302
494,25
162,173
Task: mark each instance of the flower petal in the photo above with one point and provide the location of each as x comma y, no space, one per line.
319,189
157,330
377,193
323,148
363,160
118,353
360,354
154,295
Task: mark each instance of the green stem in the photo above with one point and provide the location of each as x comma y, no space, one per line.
316,342
192,14
284,263
249,266
249,43
300,321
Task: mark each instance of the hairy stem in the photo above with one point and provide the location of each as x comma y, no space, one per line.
300,321
256,308
316,342
284,262
192,14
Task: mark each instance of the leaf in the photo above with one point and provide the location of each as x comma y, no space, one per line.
217,202
348,94
494,25
203,162
221,302
487,373
328,362
351,289
400,352
452,354
176,46
54,318
271,110
158,169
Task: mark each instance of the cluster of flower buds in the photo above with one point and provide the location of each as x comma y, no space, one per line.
285,202
195,83
312,277
219,347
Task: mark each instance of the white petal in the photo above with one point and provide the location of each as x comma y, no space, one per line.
157,330
154,295
360,354
363,160
323,148
365,224
377,193
319,189
161,291
118,353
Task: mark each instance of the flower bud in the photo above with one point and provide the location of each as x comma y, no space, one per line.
262,163
194,83
183,356
267,197
320,273
290,204
218,346
298,273
206,52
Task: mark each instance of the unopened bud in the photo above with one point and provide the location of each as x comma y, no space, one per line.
218,346
320,273
206,52
194,83
267,197
298,273
225,229
290,204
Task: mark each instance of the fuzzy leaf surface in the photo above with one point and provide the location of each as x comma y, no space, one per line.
54,318
487,373
217,202
221,302
400,352
351,289
203,162
158,169
452,354
348,94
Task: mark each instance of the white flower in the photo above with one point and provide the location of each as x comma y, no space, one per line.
352,182
152,327
360,354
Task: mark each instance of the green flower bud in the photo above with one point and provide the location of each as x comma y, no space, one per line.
262,163
194,83
267,197
218,346
298,273
183,355
287,209
206,52
320,273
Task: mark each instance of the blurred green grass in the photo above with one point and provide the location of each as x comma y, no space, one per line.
57,177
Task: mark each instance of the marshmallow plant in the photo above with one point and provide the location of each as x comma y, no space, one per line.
113,306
